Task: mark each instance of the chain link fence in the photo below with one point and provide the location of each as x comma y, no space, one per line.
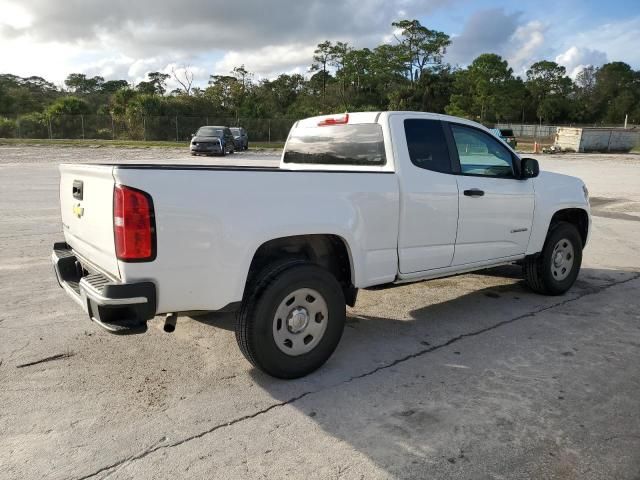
149,128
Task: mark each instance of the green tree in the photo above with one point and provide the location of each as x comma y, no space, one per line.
482,90
583,106
421,47
616,91
321,58
156,84
69,106
79,83
550,89
112,86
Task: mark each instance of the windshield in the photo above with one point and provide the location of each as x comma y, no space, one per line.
235,131
210,132
360,144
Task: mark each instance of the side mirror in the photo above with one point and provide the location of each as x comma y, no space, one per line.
193,135
529,167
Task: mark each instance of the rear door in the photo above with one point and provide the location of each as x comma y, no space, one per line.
86,202
496,207
429,194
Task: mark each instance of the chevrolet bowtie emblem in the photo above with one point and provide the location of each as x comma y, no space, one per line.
78,211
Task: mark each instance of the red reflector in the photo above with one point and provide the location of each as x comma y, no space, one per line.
334,121
133,224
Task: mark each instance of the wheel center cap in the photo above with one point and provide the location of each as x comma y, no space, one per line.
559,259
298,320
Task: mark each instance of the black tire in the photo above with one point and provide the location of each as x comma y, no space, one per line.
246,147
256,318
539,270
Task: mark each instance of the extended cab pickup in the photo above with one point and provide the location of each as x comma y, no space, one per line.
360,199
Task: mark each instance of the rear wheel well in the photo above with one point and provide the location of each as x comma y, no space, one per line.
577,217
328,251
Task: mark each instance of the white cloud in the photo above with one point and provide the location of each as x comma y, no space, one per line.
269,61
486,31
14,16
526,44
124,38
617,41
575,59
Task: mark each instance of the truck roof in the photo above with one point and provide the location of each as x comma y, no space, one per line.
374,117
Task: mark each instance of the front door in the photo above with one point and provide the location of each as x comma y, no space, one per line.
496,207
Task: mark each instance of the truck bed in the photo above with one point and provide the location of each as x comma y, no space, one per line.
210,221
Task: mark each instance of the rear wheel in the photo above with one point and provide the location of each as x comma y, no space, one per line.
292,319
555,269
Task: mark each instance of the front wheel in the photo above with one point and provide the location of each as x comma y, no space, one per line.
555,269
292,320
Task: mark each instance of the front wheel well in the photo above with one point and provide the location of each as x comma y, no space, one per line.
577,217
328,251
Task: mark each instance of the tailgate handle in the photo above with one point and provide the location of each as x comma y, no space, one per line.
77,189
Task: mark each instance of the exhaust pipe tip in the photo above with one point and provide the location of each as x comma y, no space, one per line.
170,323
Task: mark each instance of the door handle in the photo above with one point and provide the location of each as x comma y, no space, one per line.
474,192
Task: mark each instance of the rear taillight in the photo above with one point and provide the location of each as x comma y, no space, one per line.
133,225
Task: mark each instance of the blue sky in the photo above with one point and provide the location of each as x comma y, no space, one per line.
124,39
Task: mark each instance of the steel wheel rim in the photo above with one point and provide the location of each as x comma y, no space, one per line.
562,260
300,322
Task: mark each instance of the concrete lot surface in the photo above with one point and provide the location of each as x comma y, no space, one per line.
471,377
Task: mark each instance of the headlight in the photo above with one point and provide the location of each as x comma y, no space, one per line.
585,190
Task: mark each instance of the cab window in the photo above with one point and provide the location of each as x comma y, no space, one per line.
353,144
427,145
481,154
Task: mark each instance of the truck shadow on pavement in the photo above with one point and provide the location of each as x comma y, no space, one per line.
464,386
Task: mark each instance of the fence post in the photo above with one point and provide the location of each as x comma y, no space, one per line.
269,131
177,134
50,128
113,129
82,123
18,125
144,128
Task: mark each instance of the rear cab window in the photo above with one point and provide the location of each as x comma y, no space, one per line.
359,144
427,145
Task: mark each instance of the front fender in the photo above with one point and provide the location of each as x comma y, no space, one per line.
554,193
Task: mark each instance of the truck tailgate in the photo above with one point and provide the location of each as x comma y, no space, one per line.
86,201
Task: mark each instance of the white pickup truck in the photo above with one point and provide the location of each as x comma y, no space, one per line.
360,199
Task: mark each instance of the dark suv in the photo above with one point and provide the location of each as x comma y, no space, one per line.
241,138
212,141
508,136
